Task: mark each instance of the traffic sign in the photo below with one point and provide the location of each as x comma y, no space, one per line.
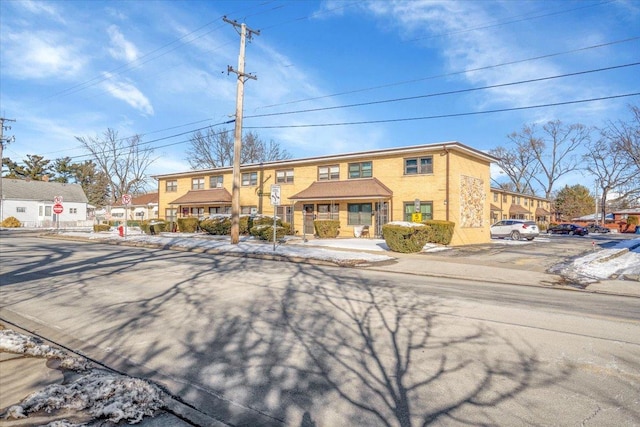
57,199
275,195
126,199
57,208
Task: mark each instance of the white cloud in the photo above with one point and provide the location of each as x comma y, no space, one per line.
40,55
127,92
121,48
41,7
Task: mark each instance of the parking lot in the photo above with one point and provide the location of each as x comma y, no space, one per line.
537,255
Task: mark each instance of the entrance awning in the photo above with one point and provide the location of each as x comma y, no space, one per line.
344,190
517,209
495,208
542,212
214,196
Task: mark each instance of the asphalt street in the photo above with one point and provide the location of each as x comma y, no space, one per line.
255,342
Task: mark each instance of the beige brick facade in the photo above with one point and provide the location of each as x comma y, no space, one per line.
450,180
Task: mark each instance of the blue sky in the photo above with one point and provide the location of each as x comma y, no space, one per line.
159,68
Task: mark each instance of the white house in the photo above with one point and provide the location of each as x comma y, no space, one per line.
143,206
31,202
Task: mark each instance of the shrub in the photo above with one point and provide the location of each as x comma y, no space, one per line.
440,232
101,227
265,232
188,225
327,228
632,220
217,225
158,225
11,222
405,239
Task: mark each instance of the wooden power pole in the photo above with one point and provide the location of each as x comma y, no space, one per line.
237,142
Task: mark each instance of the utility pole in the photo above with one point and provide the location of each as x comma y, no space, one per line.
2,141
237,142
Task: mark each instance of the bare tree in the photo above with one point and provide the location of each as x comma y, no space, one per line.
626,136
214,149
613,166
122,160
542,156
517,162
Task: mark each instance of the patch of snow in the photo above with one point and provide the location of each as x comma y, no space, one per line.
100,393
13,342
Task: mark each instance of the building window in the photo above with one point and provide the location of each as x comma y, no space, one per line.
360,170
250,178
525,202
504,198
426,209
73,210
220,210
197,183
248,210
327,211
284,176
359,213
21,209
418,166
495,197
171,186
328,173
285,213
518,200
197,212
215,181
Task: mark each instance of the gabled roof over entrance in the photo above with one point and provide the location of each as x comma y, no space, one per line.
342,190
517,209
542,212
204,197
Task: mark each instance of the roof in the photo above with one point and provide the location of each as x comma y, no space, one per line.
141,200
204,197
517,209
627,211
351,189
361,155
542,212
495,208
515,193
42,191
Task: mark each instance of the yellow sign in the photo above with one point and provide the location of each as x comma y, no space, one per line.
416,217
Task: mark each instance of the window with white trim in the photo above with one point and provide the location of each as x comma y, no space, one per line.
284,176
328,173
197,183
249,178
215,181
418,165
360,170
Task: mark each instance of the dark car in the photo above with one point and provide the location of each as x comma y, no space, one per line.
597,228
570,229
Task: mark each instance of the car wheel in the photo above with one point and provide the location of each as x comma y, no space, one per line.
515,235
529,238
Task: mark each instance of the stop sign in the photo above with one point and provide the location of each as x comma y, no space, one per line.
57,208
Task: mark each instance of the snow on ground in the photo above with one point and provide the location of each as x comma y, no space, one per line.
100,393
292,248
622,259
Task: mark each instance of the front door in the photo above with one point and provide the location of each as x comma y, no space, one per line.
382,216
308,217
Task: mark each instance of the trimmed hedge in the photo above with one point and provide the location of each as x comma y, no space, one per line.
159,225
441,232
218,225
409,239
11,222
265,232
101,227
188,225
327,228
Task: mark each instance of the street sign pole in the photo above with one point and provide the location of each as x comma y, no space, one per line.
275,202
126,199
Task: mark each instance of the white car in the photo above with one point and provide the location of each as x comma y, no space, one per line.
516,229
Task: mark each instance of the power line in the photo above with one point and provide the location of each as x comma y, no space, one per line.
452,92
442,116
454,73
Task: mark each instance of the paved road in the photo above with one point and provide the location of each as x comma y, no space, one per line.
270,343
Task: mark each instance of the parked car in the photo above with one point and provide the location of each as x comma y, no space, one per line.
515,229
570,229
597,228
